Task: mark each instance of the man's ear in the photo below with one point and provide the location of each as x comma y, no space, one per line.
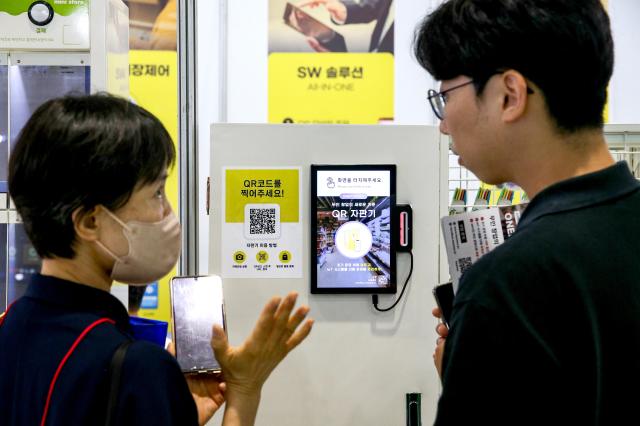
515,96
86,223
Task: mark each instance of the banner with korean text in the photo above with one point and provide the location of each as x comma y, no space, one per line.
331,62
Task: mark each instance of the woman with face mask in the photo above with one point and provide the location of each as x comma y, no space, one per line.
87,176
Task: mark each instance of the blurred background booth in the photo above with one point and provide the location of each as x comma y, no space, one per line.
49,49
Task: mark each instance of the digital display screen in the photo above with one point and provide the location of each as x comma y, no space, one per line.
197,305
352,229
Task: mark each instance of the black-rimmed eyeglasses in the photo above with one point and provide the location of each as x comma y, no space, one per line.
438,100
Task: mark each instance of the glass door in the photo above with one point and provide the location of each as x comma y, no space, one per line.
32,80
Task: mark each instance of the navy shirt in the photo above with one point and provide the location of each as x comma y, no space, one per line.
39,330
545,329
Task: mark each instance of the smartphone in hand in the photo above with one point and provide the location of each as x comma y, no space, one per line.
443,293
197,305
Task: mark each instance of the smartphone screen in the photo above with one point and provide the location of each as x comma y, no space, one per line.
444,295
197,305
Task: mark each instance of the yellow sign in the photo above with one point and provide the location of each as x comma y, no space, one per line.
262,186
154,86
331,88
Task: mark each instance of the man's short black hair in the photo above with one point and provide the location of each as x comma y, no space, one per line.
565,47
80,152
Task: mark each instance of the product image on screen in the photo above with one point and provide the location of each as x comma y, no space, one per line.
197,304
307,25
352,229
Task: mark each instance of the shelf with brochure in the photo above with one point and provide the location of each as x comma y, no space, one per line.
468,193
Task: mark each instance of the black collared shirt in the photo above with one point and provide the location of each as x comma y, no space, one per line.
545,328
38,331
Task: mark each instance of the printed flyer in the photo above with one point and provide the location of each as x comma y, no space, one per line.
470,235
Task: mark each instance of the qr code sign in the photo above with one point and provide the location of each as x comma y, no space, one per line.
464,264
262,221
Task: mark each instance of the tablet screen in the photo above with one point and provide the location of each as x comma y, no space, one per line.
352,229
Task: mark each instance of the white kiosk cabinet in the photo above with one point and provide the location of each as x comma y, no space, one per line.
358,364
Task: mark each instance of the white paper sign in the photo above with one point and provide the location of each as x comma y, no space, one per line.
261,223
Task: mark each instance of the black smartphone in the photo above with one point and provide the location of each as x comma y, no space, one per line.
443,293
309,26
197,304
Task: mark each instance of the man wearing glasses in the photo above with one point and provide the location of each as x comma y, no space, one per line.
545,328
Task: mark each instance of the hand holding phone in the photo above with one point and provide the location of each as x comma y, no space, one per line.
444,295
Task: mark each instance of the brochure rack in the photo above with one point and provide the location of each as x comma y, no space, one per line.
623,140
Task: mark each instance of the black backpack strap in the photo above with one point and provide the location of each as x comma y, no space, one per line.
115,371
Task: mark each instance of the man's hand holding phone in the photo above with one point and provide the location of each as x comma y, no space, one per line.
315,45
444,295
336,8
443,331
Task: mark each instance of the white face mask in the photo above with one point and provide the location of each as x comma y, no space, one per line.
153,250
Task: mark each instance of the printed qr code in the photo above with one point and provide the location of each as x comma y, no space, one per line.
464,264
262,221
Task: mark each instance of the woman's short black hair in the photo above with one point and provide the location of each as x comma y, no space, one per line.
564,47
80,152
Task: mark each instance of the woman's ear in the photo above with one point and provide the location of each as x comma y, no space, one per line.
86,223
515,95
